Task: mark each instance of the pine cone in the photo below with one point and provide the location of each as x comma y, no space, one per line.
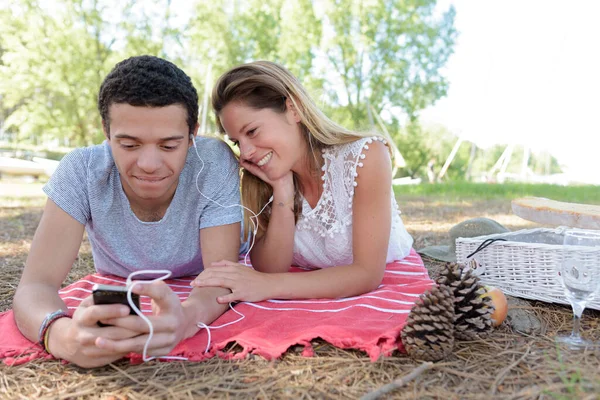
429,331
472,311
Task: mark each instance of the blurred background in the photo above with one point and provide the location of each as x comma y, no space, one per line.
469,91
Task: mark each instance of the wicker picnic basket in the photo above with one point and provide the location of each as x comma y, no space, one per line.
525,265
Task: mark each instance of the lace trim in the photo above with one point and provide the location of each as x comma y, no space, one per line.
328,216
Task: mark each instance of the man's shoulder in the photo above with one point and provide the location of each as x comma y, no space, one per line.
99,153
92,161
210,165
212,144
80,179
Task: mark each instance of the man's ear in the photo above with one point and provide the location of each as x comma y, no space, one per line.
291,108
105,130
194,133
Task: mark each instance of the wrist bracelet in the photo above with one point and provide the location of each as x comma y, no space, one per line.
48,321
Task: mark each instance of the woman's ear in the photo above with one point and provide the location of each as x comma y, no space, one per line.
292,110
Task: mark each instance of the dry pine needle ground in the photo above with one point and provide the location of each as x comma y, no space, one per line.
506,365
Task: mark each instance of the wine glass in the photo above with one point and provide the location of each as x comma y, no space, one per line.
579,273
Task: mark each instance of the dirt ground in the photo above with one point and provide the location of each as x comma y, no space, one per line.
507,365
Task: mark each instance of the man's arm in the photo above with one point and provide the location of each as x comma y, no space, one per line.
217,243
54,248
173,321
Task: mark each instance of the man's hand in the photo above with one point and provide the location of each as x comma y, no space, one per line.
245,283
75,339
169,322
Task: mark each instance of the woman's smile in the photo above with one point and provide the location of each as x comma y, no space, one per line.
263,161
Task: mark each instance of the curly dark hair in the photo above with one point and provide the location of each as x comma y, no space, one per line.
148,81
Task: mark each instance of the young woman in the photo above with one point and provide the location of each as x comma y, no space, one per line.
326,192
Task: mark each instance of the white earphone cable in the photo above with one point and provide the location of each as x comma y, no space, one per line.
253,218
130,284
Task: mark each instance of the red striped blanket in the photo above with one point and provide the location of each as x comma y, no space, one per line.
371,322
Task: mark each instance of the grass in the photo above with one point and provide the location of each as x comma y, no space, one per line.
574,385
506,365
456,191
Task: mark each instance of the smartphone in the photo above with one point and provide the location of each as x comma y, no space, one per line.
110,294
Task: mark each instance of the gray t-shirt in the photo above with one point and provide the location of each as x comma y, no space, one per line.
86,185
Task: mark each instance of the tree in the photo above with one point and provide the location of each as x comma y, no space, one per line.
414,149
55,57
539,163
47,76
419,145
388,53
228,33
348,53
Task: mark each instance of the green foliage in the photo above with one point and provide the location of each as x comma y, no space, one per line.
221,35
441,141
538,163
54,59
421,145
415,150
489,157
350,54
585,194
387,53
46,77
225,35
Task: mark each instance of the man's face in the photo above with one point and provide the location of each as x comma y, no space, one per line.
149,146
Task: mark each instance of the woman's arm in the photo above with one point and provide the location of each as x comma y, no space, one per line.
371,218
272,252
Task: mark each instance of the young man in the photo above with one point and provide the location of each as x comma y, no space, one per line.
136,196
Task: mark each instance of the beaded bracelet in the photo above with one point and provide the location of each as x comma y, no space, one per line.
48,321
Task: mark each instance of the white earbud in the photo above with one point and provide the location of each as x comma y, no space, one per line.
192,139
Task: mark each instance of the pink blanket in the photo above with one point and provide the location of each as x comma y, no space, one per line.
371,322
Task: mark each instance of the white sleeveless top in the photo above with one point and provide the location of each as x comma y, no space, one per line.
323,236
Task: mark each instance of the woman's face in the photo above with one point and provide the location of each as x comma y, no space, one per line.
270,140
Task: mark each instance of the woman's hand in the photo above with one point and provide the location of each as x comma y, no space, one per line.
283,185
245,283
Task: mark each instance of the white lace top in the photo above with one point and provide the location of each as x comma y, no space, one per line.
323,236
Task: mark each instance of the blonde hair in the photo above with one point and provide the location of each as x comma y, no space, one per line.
264,84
